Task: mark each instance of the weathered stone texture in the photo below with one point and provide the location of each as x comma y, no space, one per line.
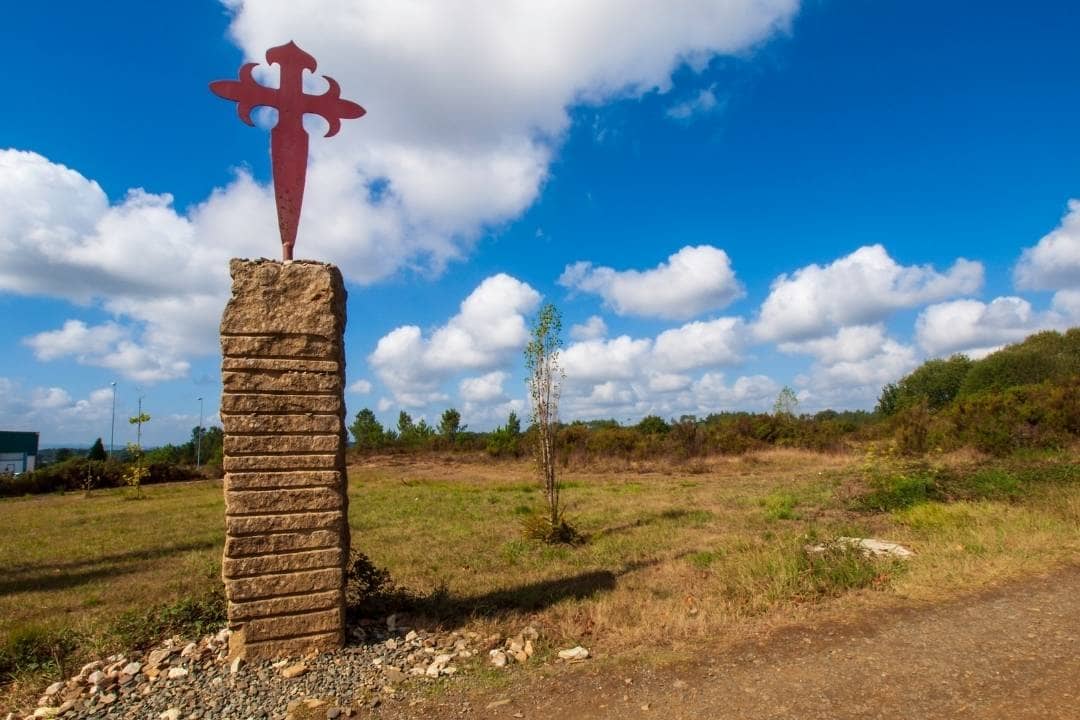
283,412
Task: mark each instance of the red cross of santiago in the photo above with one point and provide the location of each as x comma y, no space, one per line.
288,139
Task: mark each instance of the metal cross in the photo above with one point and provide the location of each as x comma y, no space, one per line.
288,139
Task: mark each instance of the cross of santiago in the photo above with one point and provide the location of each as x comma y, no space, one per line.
288,139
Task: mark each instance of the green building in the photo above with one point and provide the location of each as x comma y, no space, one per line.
18,451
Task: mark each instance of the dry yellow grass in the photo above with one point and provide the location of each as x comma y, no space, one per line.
675,556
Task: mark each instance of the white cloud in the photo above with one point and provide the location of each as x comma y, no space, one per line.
703,103
977,329
849,344
1054,262
50,398
488,330
454,156
361,387
851,366
1067,304
483,389
436,159
692,281
163,276
754,392
700,344
592,329
63,418
861,288
108,346
619,358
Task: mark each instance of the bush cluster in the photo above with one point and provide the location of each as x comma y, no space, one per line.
81,473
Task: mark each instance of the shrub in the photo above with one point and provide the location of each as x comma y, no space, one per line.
35,648
190,617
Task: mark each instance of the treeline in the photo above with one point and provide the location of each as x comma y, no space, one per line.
1025,395
88,470
652,437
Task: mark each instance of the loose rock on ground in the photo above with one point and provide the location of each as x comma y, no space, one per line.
182,680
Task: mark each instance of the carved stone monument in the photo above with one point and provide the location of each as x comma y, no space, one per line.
283,412
283,405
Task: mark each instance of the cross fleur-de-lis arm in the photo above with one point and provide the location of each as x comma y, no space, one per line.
331,107
245,92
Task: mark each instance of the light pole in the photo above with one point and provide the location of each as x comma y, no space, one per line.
112,430
198,437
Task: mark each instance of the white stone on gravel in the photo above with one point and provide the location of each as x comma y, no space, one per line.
132,668
175,673
574,653
870,547
170,714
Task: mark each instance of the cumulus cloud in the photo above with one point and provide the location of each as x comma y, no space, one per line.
1054,262
692,281
852,365
631,377
591,329
977,329
467,106
451,155
754,392
700,344
489,328
62,417
621,358
360,387
484,388
703,103
163,276
849,344
861,288
107,346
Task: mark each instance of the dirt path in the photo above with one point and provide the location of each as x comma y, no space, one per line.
1010,653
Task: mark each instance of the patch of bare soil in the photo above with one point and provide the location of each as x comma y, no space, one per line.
1009,653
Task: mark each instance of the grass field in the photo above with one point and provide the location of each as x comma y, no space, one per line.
673,555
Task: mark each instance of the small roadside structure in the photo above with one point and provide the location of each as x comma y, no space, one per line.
18,451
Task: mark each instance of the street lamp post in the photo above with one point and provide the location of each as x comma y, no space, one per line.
198,437
112,429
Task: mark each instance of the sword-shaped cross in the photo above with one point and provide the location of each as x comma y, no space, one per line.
288,139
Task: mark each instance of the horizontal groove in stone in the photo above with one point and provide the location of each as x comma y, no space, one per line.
283,453
275,393
278,563
237,547
251,364
322,424
286,605
275,480
291,381
276,584
237,334
279,488
287,523
287,463
295,644
240,503
285,628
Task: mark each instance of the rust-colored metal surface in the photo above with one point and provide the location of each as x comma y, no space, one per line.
288,139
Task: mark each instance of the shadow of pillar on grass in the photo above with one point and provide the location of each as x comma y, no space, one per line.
449,609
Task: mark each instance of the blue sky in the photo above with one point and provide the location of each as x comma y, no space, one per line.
726,199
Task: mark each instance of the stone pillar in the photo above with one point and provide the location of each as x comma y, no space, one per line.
283,412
